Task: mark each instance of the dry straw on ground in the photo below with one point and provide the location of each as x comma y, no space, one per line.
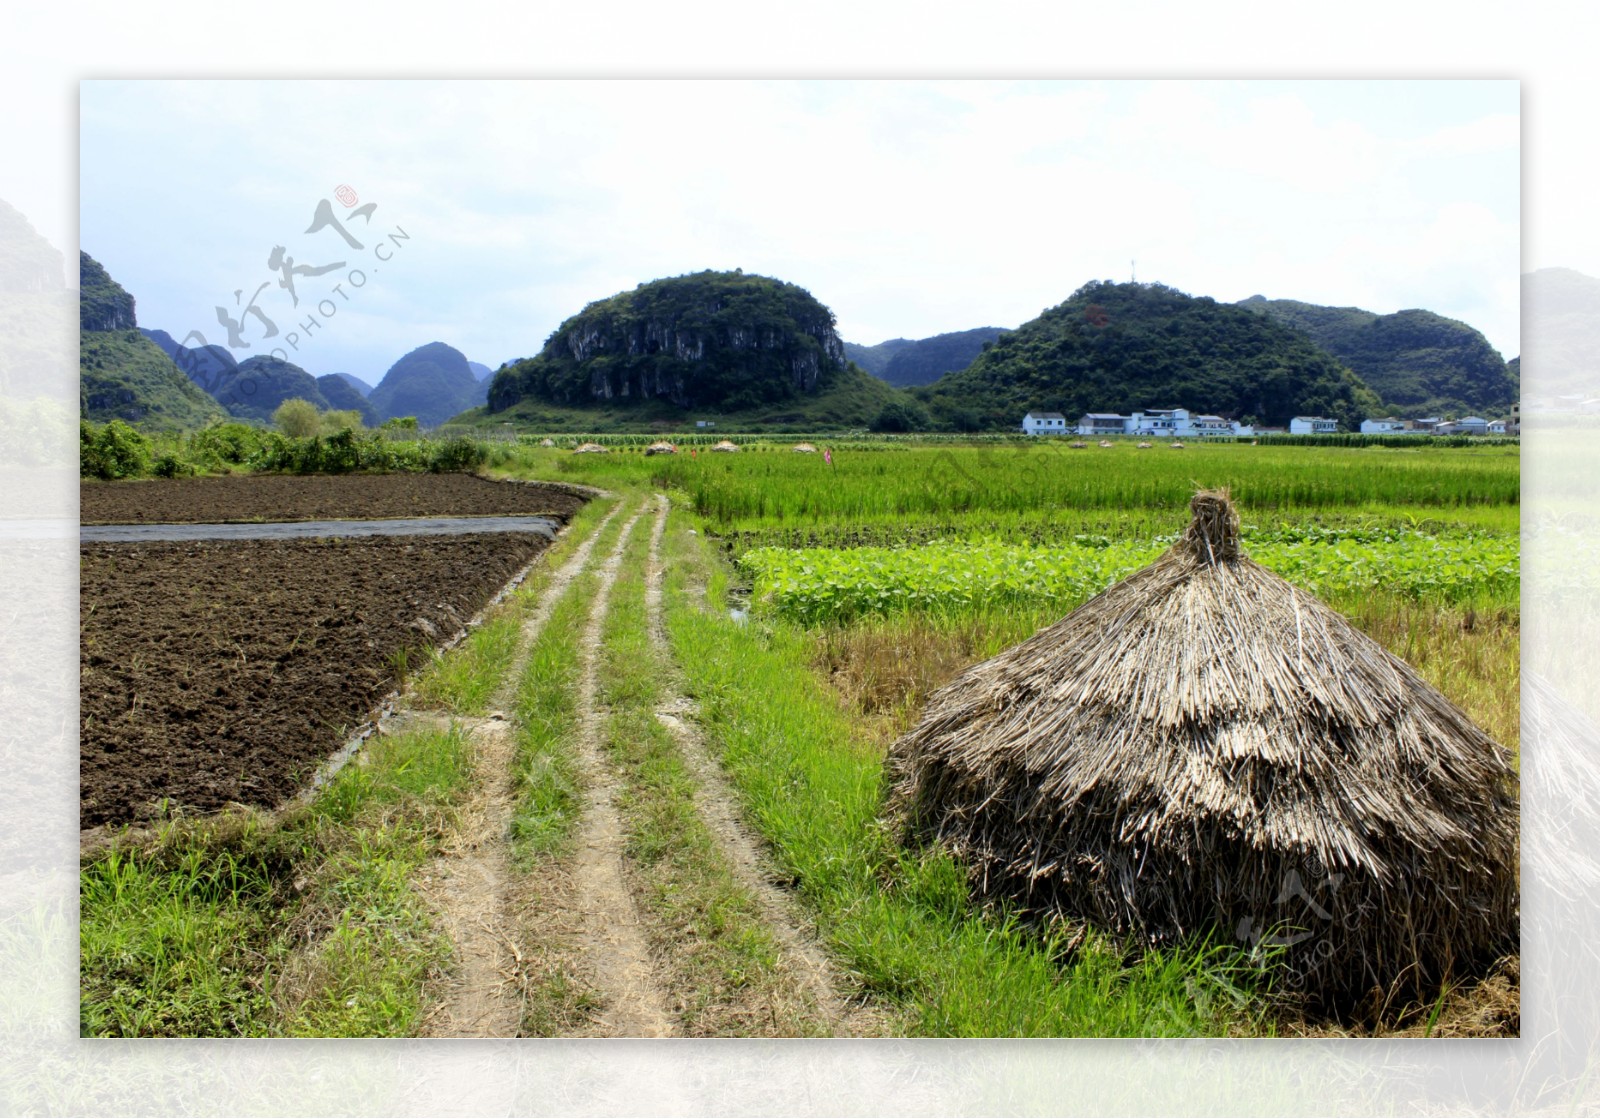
1204,748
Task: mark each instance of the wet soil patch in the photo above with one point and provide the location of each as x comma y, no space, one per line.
311,497
221,671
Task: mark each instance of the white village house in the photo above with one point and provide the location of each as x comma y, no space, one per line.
1044,423
1386,426
1167,423
1312,425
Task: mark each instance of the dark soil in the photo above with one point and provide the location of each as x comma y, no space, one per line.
214,671
315,497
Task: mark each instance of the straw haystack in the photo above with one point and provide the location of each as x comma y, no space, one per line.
805,448
1106,443
1077,444
547,442
1176,445
589,449
1204,748
1144,446
725,445
661,447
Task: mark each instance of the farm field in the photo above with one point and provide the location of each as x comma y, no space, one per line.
214,673
284,497
679,727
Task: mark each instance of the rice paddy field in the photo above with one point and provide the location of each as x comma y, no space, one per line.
647,798
896,541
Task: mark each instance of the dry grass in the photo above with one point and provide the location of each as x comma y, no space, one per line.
1204,745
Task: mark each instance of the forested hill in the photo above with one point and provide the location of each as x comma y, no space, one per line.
122,375
433,383
713,341
927,359
1418,362
875,359
1121,347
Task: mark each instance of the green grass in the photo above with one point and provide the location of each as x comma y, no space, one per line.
902,921
724,958
547,787
548,792
464,678
203,932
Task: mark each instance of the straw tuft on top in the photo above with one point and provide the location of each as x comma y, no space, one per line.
1213,534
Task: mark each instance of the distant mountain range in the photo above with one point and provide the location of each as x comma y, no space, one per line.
745,349
432,382
1418,363
354,382
903,362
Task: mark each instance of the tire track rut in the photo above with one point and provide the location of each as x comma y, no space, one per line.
610,941
471,885
802,959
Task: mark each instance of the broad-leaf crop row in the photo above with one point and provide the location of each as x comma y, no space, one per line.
822,585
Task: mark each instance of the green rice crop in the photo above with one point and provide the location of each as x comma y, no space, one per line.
742,491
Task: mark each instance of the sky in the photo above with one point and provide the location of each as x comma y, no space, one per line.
910,208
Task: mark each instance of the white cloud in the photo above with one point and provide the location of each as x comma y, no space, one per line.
910,208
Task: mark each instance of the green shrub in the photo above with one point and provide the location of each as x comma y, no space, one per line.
223,444
297,418
113,451
456,454
337,421
169,465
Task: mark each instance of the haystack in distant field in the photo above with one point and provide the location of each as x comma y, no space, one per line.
1077,444
1144,446
661,447
1176,445
590,449
805,448
1204,747
1106,443
547,442
725,445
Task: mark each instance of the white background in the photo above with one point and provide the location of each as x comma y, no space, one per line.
44,52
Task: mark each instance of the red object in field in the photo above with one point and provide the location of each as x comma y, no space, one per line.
827,456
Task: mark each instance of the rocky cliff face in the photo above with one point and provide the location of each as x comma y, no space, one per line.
712,339
102,303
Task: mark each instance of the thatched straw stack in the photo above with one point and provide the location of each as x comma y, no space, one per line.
547,442
1077,444
1106,443
661,447
589,449
1205,748
726,445
805,448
